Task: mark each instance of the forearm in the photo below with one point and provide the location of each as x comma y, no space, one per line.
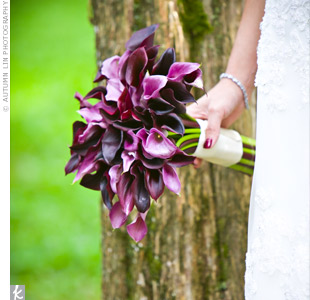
242,62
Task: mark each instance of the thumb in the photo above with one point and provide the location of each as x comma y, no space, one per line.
213,129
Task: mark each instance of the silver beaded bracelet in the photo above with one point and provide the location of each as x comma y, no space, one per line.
240,85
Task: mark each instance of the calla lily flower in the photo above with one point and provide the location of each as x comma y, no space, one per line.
109,68
158,145
128,159
152,86
171,179
114,173
138,229
131,141
117,216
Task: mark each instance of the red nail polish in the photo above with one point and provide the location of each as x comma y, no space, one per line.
207,144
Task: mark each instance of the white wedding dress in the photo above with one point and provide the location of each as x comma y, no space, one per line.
277,259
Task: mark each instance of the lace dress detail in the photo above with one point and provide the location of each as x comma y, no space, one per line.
284,49
277,259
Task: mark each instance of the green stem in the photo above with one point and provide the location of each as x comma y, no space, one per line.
249,141
247,162
250,151
187,137
189,146
192,130
242,169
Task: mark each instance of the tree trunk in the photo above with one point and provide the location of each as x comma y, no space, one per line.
196,243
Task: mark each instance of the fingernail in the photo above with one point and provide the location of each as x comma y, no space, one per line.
207,144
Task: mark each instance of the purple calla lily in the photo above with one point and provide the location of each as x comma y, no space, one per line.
125,192
178,70
142,37
164,63
131,142
154,183
128,159
88,165
152,85
115,89
111,142
158,145
125,144
171,179
117,216
114,173
136,65
138,229
109,68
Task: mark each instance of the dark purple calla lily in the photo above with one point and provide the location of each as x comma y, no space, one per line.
180,159
171,122
180,92
140,193
168,95
164,63
86,139
127,125
144,116
150,162
136,65
111,142
98,77
98,92
73,163
106,191
124,102
154,183
159,106
92,181
143,37
125,192
151,56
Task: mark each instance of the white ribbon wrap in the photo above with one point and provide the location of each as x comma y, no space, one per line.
227,151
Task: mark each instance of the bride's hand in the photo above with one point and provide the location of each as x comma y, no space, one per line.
222,106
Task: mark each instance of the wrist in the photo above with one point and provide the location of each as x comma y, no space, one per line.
238,84
234,90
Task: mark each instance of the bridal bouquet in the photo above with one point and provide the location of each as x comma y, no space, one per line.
138,133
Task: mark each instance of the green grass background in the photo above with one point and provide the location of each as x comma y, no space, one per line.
55,226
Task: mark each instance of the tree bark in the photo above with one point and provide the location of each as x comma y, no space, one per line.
196,243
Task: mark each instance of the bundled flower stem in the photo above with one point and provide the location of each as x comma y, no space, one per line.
190,140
